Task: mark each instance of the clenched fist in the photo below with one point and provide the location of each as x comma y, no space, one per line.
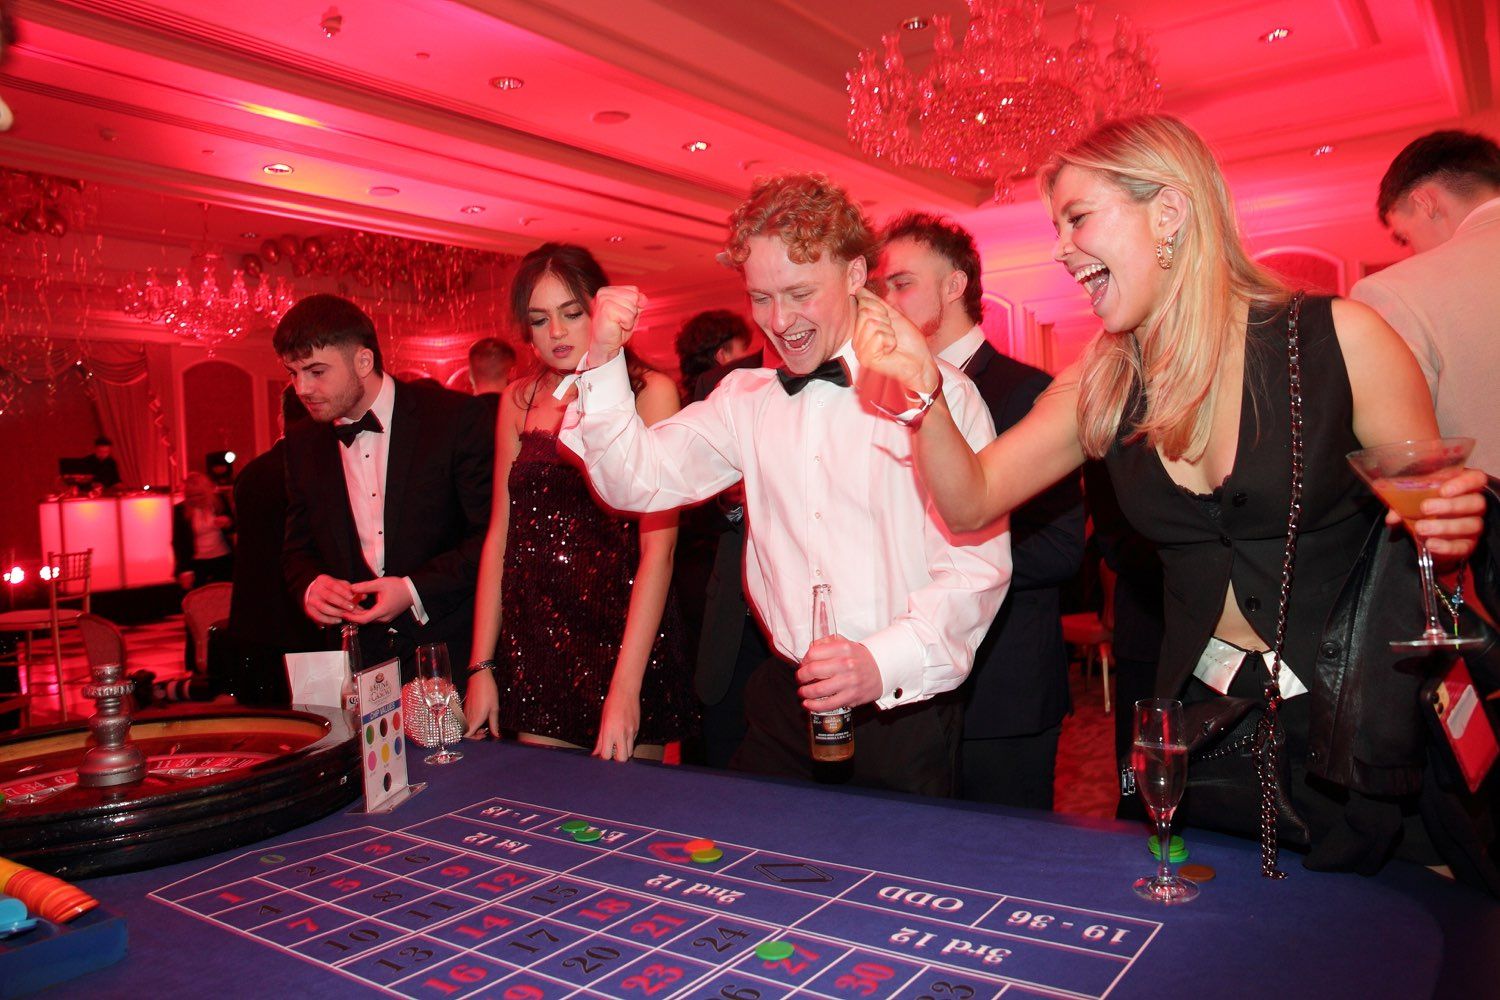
616,309
886,342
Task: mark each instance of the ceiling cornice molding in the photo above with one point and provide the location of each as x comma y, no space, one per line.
1463,37
139,27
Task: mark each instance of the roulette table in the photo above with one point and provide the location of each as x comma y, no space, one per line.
532,874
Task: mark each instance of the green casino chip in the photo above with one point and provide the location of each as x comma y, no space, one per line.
774,951
587,835
1178,851
706,857
574,825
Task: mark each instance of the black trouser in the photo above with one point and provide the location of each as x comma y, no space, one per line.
1010,770
724,723
909,749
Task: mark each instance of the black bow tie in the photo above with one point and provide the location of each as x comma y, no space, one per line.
346,433
833,370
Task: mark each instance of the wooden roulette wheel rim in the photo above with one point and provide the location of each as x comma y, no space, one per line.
216,778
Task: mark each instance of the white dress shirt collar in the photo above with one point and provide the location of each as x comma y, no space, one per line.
961,350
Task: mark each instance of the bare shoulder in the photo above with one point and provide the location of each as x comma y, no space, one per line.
1365,338
658,397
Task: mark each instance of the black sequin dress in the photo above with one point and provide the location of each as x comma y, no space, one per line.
569,569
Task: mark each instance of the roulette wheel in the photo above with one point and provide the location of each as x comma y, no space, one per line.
215,777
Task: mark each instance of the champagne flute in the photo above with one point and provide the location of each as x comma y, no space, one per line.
1403,475
1160,761
435,680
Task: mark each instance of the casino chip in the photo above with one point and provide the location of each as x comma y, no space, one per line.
706,857
701,844
587,835
1178,850
574,825
774,951
1197,873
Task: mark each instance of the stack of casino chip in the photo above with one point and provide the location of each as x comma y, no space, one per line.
48,897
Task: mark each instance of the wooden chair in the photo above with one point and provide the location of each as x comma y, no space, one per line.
16,702
202,609
1092,635
69,578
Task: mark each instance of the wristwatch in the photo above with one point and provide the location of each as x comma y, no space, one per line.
489,665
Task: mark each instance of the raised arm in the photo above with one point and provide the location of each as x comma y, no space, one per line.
688,457
971,490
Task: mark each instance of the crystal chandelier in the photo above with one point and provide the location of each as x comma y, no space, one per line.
205,313
999,105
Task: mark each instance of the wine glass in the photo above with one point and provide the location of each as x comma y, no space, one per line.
1403,475
435,680
1160,759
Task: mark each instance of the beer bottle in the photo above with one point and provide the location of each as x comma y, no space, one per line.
831,733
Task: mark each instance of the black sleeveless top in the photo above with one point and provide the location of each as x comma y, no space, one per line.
1239,534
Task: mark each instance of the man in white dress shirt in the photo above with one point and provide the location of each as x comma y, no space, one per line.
831,496
1441,197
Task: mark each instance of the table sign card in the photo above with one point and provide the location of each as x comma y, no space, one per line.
382,744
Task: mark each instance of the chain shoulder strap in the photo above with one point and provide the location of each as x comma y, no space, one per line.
1268,737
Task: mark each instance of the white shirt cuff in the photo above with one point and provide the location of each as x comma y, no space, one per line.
600,387
417,611
899,658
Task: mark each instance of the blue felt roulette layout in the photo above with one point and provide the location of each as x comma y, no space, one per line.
497,897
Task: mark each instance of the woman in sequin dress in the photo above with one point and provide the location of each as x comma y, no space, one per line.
573,601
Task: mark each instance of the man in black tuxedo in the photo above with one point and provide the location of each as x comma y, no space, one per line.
1017,695
388,490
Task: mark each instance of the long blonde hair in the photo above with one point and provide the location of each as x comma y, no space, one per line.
1174,357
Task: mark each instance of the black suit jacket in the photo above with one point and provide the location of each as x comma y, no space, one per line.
437,508
1019,685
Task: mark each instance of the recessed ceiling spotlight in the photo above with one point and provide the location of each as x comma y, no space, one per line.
507,82
747,164
1276,35
472,209
108,134
422,55
654,246
611,117
276,169
384,191
1322,150
914,23
617,239
248,235
696,146
527,220
206,152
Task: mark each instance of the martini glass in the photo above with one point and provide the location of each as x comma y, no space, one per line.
1403,475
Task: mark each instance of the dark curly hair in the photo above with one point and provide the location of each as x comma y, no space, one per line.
701,337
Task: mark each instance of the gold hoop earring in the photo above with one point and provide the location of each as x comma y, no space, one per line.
1165,248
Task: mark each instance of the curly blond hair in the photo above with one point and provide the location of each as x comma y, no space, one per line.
810,213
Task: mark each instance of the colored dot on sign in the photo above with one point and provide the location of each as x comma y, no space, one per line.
386,784
774,951
396,720
701,844
385,754
272,859
574,825
396,745
707,857
588,835
370,734
383,729
371,760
